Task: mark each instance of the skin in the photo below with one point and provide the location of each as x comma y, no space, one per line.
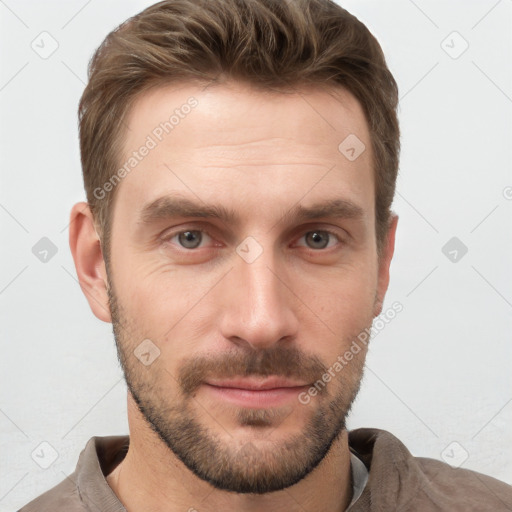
260,155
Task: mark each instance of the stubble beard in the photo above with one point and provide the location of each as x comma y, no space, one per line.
240,467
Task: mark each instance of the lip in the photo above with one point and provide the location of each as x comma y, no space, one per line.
257,384
255,393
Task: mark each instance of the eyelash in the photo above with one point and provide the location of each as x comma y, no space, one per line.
167,238
331,234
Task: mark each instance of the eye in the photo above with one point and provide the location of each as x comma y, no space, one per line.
319,239
190,239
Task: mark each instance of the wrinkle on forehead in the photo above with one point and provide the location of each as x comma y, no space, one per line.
245,146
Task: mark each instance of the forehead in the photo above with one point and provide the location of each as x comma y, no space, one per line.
232,143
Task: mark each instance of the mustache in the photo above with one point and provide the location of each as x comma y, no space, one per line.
280,361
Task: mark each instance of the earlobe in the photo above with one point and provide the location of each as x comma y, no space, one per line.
88,257
384,264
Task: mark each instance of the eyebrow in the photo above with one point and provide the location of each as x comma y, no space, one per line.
167,207
335,208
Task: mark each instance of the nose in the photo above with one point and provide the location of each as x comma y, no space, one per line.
257,304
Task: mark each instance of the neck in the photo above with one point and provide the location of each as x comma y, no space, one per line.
151,477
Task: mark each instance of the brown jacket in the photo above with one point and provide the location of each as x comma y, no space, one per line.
397,481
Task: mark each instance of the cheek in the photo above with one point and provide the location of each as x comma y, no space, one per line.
171,308
343,309
344,295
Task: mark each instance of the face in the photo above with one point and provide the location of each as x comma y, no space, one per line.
243,264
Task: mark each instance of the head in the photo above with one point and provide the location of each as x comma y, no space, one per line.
239,160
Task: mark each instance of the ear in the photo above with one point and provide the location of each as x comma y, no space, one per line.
89,263
384,264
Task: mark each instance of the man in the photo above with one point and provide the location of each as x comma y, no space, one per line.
240,159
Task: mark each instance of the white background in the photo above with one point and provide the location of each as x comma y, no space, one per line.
439,373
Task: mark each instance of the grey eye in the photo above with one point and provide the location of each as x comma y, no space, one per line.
190,239
317,239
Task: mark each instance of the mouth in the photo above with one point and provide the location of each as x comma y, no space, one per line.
255,392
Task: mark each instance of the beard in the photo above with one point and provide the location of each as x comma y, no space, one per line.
229,464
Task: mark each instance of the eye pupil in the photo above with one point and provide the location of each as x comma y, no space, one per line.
190,239
319,239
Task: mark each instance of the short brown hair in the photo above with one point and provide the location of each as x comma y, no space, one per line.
267,43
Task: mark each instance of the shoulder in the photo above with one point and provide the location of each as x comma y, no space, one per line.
401,481
445,484
63,496
87,486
